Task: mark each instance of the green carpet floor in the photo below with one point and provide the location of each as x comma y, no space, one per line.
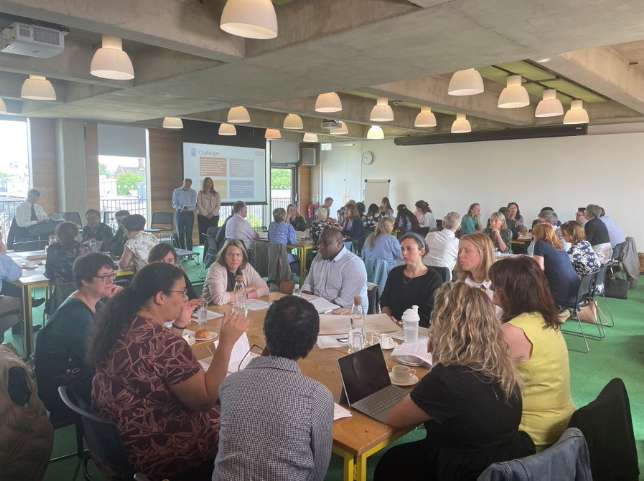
620,354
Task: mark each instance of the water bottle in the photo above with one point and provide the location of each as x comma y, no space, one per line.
296,290
357,334
92,245
239,305
410,320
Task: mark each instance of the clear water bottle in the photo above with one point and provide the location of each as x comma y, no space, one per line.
297,292
357,334
92,245
239,305
410,320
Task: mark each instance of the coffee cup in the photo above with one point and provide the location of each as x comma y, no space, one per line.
30,265
386,341
402,374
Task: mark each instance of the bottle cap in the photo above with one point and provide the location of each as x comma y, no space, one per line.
357,300
411,315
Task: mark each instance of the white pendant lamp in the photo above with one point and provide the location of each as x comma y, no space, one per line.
3,107
172,123
272,134
308,137
111,62
577,114
425,118
382,111
466,82
37,87
238,115
227,129
293,122
550,106
515,95
343,130
375,133
249,19
461,125
329,102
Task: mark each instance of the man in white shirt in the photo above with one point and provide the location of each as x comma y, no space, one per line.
184,201
443,245
239,228
31,216
336,274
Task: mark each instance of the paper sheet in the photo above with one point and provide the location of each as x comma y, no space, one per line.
332,324
211,315
417,349
329,342
322,305
240,349
256,305
339,412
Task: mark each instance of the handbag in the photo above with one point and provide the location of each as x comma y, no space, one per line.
615,287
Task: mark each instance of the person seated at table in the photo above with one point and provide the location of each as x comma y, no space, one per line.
443,245
381,245
499,233
352,227
531,329
117,243
470,401
362,208
405,220
62,253
95,229
385,207
597,233
237,227
61,346
294,218
615,233
138,244
549,217
304,432
581,254
413,284
424,215
148,381
336,274
164,252
539,217
515,215
471,222
11,303
282,232
320,224
370,220
33,217
232,261
562,278
509,222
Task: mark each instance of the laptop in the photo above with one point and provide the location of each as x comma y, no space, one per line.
366,383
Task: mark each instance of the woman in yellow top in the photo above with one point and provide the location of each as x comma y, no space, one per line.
532,331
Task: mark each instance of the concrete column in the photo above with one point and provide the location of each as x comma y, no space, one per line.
70,163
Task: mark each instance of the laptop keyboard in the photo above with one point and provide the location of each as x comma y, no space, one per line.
382,400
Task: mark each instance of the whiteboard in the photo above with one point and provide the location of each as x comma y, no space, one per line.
375,190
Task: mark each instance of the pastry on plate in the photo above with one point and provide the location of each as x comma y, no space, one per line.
203,334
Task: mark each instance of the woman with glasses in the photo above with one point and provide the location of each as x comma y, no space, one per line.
61,345
164,252
150,384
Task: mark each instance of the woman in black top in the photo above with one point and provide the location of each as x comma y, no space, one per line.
597,233
411,284
62,254
470,402
352,227
294,218
164,252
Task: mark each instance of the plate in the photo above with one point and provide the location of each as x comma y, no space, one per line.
190,339
412,380
411,361
392,345
213,335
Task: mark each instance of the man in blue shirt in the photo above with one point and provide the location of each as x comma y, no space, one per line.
10,307
184,201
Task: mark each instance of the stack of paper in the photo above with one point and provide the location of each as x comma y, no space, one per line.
322,305
239,357
417,349
339,412
329,342
257,305
211,315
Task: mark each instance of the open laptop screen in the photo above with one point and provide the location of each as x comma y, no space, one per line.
364,373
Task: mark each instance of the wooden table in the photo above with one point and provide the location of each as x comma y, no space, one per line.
355,438
30,280
303,246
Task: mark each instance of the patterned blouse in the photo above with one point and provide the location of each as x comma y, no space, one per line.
583,258
162,436
317,227
371,221
282,233
506,235
60,260
141,245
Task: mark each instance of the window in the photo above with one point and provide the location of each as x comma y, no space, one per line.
122,185
14,169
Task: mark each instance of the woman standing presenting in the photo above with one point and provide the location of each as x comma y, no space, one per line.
208,204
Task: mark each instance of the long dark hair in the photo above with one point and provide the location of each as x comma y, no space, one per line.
521,287
117,315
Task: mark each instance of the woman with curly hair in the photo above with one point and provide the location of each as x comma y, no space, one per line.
470,402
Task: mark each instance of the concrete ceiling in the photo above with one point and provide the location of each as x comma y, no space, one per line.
186,66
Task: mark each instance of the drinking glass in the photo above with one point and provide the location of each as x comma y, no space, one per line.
356,341
202,315
376,338
297,291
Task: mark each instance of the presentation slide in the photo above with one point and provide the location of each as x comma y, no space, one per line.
238,173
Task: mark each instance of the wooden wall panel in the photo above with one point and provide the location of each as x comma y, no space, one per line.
304,180
91,167
43,162
166,168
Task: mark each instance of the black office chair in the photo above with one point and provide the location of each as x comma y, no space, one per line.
213,249
20,240
162,222
444,272
74,217
421,231
439,224
585,295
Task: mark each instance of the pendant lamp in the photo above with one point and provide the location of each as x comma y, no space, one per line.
425,118
466,82
329,102
461,125
37,87
293,122
382,111
375,133
111,62
308,137
250,19
238,115
272,134
577,114
3,107
515,95
343,130
172,123
227,129
550,106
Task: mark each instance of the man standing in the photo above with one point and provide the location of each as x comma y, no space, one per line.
32,217
336,274
10,307
237,227
328,202
253,406
443,245
184,201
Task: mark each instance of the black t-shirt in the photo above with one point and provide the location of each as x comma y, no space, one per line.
596,232
401,293
472,425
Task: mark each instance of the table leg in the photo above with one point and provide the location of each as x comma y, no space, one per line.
27,322
349,464
361,468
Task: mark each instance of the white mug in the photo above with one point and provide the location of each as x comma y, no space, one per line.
386,341
402,374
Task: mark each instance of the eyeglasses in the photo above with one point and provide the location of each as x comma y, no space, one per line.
106,277
183,292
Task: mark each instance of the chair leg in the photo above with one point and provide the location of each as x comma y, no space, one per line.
607,323
578,334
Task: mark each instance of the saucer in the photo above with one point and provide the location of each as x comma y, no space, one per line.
412,380
392,345
411,361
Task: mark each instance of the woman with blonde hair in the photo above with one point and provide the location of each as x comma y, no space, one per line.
554,262
470,402
208,205
381,245
499,233
475,257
